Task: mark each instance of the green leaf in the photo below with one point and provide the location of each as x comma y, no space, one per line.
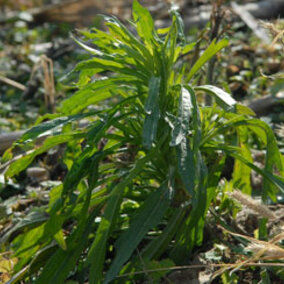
242,173
186,166
54,224
152,100
19,165
273,157
96,255
150,128
19,276
35,131
144,24
187,48
41,257
119,31
146,217
196,120
93,93
212,49
191,233
187,155
275,180
158,245
242,109
33,219
228,125
63,260
26,245
78,171
181,128
152,113
87,48
113,64
179,22
224,99
201,202
170,50
161,268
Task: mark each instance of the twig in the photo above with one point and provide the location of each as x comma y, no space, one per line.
251,22
198,266
275,32
144,265
12,83
47,66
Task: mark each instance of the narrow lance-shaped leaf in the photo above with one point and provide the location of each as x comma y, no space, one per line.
153,95
242,173
265,133
94,92
196,120
200,204
186,166
50,125
212,49
187,154
57,268
32,220
223,99
170,48
179,22
96,255
44,129
110,45
144,23
192,231
150,128
231,123
152,112
117,51
181,127
119,31
147,216
275,180
19,165
157,246
63,261
278,181
87,48
244,110
117,65
78,170
187,48
273,157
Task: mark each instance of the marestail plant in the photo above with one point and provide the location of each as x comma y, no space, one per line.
143,172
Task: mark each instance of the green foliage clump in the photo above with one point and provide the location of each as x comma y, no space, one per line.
144,171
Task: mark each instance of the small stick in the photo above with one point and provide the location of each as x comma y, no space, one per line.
251,22
198,266
13,83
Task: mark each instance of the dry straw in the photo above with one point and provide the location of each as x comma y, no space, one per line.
276,32
261,250
250,203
